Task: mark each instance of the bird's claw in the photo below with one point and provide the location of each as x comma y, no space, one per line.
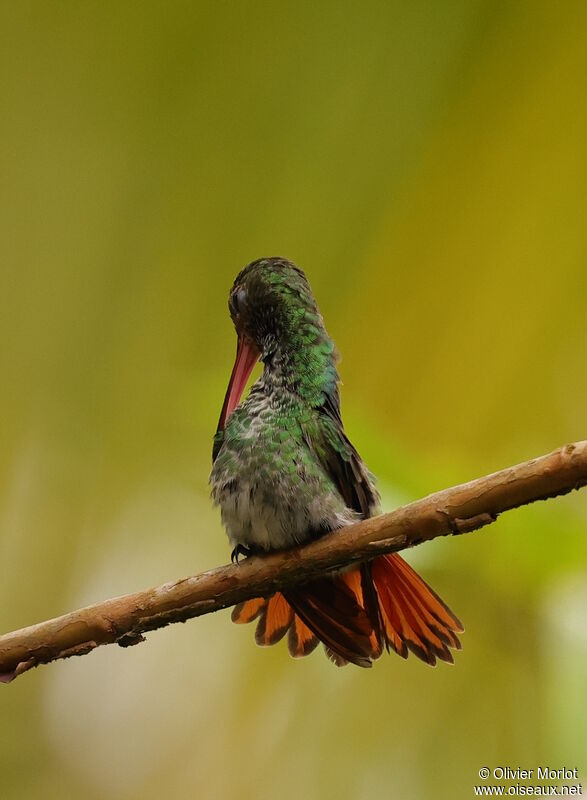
239,550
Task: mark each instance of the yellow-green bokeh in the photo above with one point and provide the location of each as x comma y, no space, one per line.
426,164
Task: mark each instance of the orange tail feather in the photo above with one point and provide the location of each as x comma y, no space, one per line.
353,613
333,609
276,617
328,610
413,615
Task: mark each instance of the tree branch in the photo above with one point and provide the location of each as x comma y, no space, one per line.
457,510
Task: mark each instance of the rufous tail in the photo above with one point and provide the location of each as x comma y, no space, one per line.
413,616
357,613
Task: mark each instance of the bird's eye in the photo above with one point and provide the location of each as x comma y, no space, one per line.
238,300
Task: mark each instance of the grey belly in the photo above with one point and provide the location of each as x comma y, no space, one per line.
254,520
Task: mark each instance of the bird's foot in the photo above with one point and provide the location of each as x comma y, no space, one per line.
240,550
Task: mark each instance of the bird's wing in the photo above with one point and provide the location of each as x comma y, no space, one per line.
340,460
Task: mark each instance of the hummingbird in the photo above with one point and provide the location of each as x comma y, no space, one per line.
285,473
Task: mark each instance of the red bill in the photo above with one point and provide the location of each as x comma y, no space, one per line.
247,355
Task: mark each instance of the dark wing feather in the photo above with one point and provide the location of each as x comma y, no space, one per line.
351,477
340,460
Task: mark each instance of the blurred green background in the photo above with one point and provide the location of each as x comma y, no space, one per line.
426,164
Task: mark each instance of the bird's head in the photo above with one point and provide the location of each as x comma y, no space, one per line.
276,319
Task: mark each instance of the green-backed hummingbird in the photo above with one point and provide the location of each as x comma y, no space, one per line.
285,472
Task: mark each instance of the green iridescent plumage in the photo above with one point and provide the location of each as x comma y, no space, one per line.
284,470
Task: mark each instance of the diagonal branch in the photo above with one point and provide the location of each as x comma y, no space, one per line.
460,509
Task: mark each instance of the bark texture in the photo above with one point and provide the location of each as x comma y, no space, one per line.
460,509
